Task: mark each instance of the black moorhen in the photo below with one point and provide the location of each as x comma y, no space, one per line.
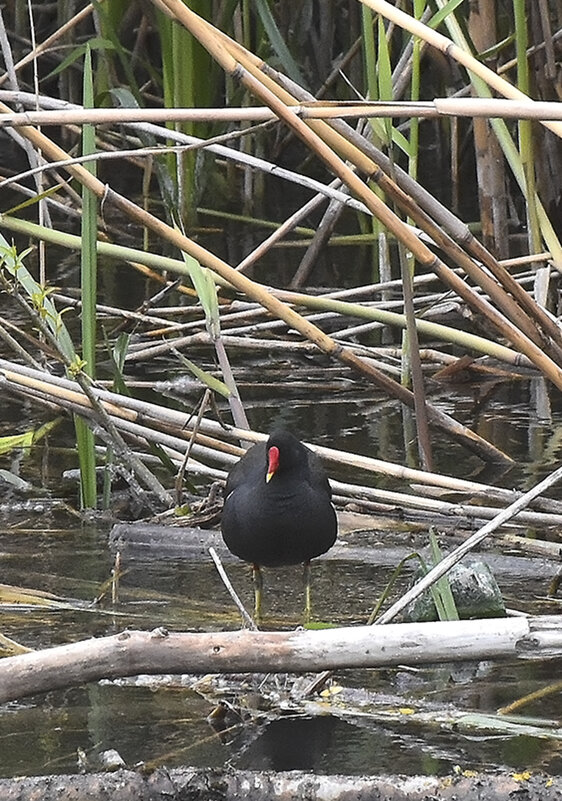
278,509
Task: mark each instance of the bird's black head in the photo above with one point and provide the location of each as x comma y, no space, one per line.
284,453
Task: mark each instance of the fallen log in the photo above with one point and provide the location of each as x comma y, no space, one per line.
132,653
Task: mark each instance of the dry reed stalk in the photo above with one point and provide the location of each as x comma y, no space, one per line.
445,45
321,236
71,114
499,108
176,446
212,435
454,512
113,311
265,298
71,402
262,81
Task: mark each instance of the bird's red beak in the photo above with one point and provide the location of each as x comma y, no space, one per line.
272,462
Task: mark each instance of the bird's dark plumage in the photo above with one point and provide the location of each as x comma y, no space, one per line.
283,520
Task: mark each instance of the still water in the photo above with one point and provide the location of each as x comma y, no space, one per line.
44,547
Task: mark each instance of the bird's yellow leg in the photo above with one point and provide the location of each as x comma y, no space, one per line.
307,607
258,587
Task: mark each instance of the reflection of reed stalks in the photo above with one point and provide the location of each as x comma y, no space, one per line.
178,58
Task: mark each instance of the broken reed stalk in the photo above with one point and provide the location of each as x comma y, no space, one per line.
473,342
356,149
325,343
176,444
319,138
209,443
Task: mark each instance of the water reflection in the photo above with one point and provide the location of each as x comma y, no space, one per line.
169,727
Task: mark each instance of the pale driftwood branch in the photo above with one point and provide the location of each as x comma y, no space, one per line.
136,652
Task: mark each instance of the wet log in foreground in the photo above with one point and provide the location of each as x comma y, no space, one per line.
231,785
136,652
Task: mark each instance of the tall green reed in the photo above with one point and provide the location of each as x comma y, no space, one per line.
184,62
456,30
526,149
88,272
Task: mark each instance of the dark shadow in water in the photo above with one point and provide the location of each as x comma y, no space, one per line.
292,744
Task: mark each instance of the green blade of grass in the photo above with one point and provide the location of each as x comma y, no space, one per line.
441,590
39,296
278,43
88,272
206,378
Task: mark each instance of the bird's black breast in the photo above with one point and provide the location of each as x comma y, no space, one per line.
287,520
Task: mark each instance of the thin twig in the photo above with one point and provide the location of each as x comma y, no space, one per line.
248,621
